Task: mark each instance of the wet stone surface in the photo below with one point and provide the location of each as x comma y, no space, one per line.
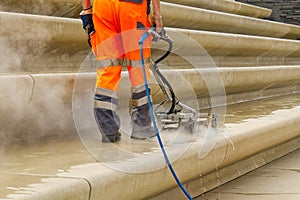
275,181
24,165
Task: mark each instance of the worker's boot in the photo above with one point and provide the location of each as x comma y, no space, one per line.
142,132
141,123
111,138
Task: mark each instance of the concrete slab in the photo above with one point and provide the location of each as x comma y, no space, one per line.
65,8
66,162
197,18
28,171
46,94
226,6
201,19
45,157
42,104
49,113
278,180
38,187
57,42
62,46
71,8
189,166
214,180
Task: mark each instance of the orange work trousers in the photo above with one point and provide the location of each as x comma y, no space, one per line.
119,25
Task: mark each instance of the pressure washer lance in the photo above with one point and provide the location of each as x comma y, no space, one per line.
141,42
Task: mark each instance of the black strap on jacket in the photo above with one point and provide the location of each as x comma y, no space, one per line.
139,2
134,1
148,7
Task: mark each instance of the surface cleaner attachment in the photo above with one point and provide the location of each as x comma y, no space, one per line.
171,113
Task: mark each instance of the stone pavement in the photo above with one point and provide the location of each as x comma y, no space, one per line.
275,181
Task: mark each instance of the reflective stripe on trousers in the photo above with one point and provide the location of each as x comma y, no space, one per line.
105,106
140,110
106,102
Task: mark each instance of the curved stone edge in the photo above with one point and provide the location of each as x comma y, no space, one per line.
55,32
201,19
179,16
31,104
226,6
64,8
51,188
247,142
42,95
59,45
41,42
215,179
71,8
253,142
224,44
254,146
228,50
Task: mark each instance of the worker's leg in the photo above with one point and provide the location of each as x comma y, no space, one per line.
106,101
108,49
140,112
139,100
133,25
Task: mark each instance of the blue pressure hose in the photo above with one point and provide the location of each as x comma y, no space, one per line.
141,43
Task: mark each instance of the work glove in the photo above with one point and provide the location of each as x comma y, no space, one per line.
88,25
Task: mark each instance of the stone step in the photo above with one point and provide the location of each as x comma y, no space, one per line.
49,42
59,8
37,107
229,50
71,8
186,17
49,100
282,11
226,6
201,187
201,19
69,170
59,44
257,182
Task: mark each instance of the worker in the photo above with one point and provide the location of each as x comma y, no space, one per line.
114,28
